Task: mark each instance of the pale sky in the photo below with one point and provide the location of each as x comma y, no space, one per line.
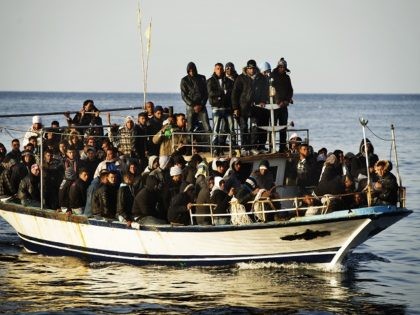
332,46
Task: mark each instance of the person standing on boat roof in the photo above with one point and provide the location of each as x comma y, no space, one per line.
263,115
219,88
230,71
283,97
248,90
194,93
153,126
34,130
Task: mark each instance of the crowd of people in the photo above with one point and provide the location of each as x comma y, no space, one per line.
136,172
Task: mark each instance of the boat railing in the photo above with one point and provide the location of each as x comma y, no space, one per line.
265,206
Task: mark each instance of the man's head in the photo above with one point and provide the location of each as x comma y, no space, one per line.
35,170
83,174
192,69
251,67
303,150
142,118
129,122
176,174
112,178
181,122
149,107
15,144
36,122
218,69
263,167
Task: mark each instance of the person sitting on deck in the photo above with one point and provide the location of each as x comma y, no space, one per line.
181,204
52,172
263,176
125,199
385,190
221,198
247,192
6,187
104,201
146,206
34,130
204,185
15,153
78,192
20,170
233,177
190,169
63,193
29,191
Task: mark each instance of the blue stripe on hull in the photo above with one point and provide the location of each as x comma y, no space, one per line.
58,249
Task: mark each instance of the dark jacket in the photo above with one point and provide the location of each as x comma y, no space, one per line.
125,200
331,182
388,194
194,88
220,93
178,211
77,194
104,201
283,86
29,188
146,201
221,199
63,193
247,91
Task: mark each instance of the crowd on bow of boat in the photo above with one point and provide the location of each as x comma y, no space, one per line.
137,171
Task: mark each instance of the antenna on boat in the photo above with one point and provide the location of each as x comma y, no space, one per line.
394,147
364,123
145,64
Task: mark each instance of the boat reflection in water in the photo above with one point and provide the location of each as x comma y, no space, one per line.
37,283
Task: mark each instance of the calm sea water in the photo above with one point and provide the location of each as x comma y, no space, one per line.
381,277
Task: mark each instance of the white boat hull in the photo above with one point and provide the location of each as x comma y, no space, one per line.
317,239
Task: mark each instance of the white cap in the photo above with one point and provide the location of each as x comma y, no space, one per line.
36,120
293,135
175,170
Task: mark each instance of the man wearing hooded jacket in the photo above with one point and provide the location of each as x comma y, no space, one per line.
194,94
249,90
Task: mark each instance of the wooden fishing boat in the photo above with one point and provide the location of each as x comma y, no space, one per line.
325,237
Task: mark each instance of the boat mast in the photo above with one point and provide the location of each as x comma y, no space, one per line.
364,122
394,147
145,64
